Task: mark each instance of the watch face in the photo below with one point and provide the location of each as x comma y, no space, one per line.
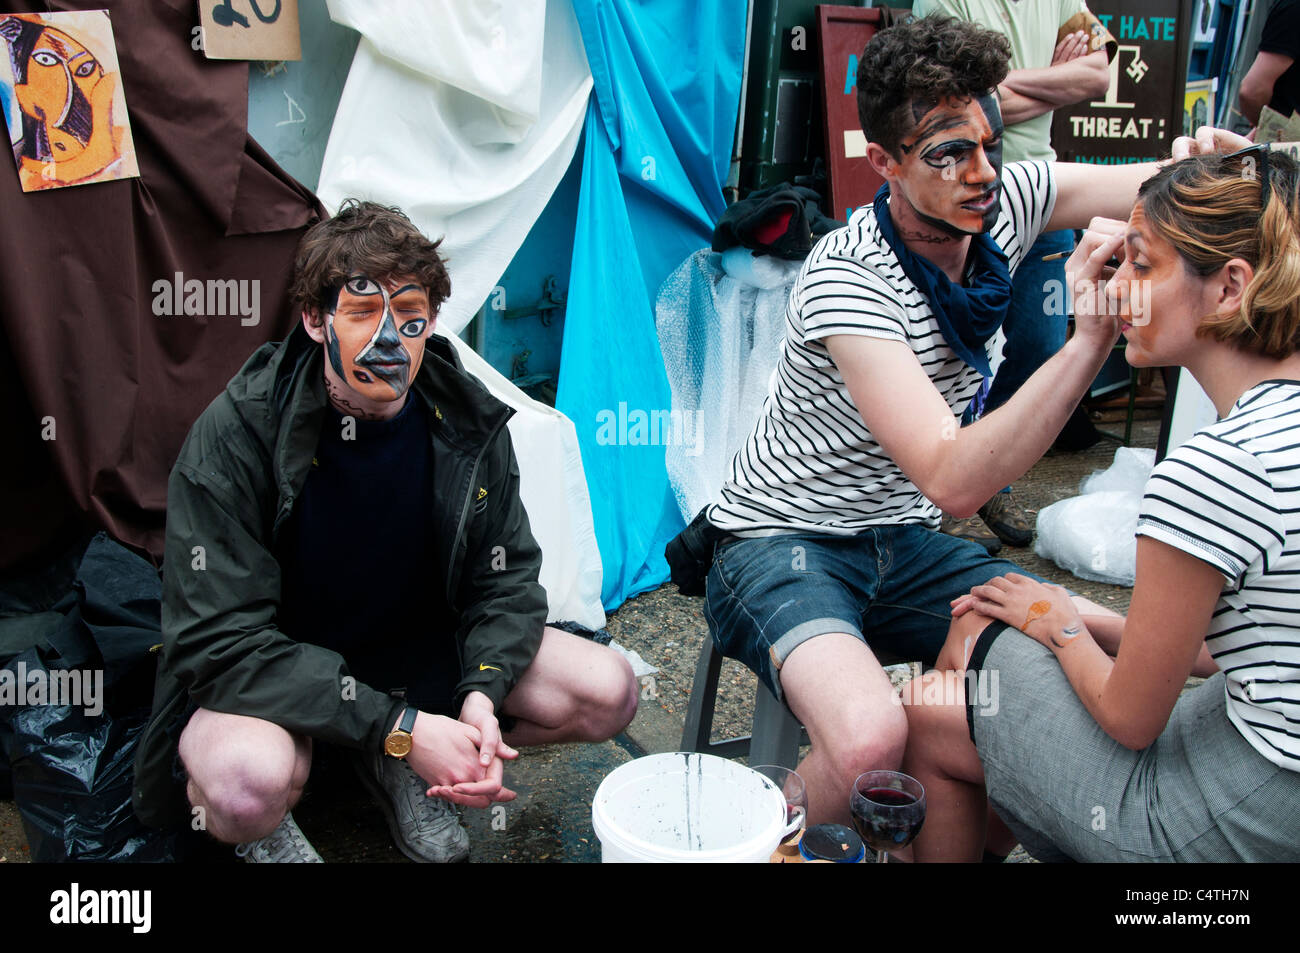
398,744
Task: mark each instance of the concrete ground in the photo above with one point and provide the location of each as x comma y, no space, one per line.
551,820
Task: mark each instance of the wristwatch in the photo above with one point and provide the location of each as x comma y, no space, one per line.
398,743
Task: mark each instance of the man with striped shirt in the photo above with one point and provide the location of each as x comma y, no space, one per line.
1046,74
832,504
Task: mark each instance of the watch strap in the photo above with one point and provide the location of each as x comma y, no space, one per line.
407,724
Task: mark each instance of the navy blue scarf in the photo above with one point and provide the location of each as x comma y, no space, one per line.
967,315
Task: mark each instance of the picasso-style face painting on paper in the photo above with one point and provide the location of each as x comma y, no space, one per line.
61,92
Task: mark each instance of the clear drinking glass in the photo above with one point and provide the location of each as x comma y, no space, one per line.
790,784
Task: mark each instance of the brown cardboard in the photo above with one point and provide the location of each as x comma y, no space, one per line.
1098,35
250,29
787,853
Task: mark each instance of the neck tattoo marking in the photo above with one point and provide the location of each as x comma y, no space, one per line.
924,237
339,399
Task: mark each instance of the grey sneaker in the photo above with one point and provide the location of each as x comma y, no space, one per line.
425,829
973,529
284,845
1007,519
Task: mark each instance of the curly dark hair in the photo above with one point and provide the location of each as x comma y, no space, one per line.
905,71
364,238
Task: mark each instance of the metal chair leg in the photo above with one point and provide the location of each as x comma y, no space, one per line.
704,692
777,732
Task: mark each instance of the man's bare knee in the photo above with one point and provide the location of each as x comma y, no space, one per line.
611,702
878,743
574,690
244,773
836,687
237,812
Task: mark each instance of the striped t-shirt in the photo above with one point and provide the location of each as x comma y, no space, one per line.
1231,496
810,464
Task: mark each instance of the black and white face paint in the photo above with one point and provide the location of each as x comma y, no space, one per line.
375,335
951,168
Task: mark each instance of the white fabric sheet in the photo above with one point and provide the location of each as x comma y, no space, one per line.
466,114
452,113
553,487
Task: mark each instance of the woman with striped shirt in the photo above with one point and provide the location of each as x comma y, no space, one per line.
1086,757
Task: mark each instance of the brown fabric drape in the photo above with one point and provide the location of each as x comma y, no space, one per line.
79,341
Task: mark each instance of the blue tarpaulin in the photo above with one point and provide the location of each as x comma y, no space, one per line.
657,148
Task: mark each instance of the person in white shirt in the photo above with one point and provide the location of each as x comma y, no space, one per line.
1086,757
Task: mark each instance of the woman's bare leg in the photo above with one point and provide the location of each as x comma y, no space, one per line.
941,756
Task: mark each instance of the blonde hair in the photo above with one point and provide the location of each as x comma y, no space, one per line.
1208,209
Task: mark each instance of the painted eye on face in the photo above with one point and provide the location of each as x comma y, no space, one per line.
45,58
361,285
413,329
85,69
948,154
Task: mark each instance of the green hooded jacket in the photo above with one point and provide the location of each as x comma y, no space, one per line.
229,497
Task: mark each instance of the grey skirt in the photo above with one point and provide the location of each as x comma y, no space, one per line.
1069,791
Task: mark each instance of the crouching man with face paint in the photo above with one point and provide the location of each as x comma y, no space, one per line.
348,560
833,504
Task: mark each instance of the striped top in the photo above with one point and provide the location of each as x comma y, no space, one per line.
810,464
1231,496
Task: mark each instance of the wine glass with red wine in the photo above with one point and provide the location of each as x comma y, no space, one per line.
888,809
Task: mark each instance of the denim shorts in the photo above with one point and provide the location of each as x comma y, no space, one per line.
888,585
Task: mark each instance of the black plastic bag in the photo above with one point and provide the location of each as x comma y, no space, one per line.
71,749
690,554
72,780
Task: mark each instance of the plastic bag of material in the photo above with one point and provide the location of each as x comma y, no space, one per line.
72,778
76,704
1093,535
721,321
1127,474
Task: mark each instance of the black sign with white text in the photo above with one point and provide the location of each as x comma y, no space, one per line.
1141,114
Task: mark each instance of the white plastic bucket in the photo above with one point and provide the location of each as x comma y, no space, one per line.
687,808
